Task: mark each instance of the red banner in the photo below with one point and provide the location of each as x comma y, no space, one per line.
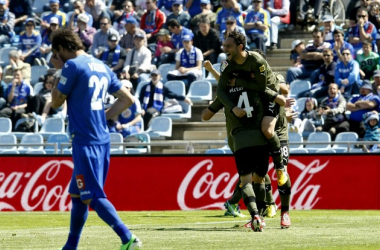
189,182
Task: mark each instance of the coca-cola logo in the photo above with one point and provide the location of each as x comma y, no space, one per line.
44,189
203,181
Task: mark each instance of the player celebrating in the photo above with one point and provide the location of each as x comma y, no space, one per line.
83,84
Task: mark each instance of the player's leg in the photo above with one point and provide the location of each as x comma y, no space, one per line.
232,205
271,206
285,190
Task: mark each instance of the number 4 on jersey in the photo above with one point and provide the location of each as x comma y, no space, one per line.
243,99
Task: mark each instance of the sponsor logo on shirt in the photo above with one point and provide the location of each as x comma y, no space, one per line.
223,66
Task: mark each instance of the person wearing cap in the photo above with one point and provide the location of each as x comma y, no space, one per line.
207,40
183,17
85,32
152,97
256,26
363,30
22,9
368,61
73,16
152,20
131,30
328,28
129,12
297,47
229,8
30,41
7,20
188,62
164,45
206,12
16,63
376,82
347,75
47,35
54,12
138,63
372,130
279,14
340,44
100,41
113,56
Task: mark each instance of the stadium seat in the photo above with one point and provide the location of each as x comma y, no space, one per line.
8,139
4,55
164,69
138,137
116,138
215,151
177,87
57,138
297,86
325,151
139,87
37,71
345,137
200,91
318,137
30,139
52,126
295,137
37,87
186,113
38,6
298,151
19,135
210,77
160,127
5,125
36,152
9,152
300,104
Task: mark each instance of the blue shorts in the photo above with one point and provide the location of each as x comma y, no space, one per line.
91,163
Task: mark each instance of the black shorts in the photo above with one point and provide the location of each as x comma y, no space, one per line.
252,159
285,152
272,109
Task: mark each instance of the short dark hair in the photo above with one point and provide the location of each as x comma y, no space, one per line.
328,50
338,31
238,37
173,23
66,38
204,20
317,31
367,43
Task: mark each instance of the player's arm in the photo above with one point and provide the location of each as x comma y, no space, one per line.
57,98
212,109
221,92
124,101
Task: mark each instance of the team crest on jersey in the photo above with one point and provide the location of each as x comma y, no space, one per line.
262,68
223,66
126,113
63,80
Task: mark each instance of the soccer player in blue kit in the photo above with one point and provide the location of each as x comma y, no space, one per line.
83,81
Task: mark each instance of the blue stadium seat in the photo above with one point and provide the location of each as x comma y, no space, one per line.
52,126
200,91
57,138
30,139
160,127
5,125
8,139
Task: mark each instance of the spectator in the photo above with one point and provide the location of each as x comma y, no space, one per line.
353,18
347,75
152,20
376,83
30,40
188,62
368,61
280,14
166,6
207,40
100,38
374,14
17,94
256,26
359,105
328,28
117,7
362,31
46,37
297,48
164,45
129,121
229,8
372,130
114,56
3,91
15,63
85,32
54,12
98,10
304,7
128,12
22,10
7,23
231,26
206,12
152,97
193,7
333,108
293,18
309,119
339,45
131,28
73,16
138,62
311,60
178,13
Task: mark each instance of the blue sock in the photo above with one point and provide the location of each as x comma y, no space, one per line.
107,212
79,213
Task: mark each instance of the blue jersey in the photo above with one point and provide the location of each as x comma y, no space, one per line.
29,42
61,18
85,80
21,93
177,39
222,14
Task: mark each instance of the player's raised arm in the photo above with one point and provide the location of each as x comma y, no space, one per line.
124,100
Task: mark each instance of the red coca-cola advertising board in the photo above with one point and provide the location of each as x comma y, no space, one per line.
189,182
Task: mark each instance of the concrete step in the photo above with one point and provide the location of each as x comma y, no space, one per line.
279,61
204,135
179,129
283,53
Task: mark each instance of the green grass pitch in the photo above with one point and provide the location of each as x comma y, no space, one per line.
201,230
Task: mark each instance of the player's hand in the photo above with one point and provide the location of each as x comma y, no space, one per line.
289,102
57,61
291,114
239,112
208,66
280,100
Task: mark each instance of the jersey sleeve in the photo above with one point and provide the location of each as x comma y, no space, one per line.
259,83
67,79
221,91
216,105
115,84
